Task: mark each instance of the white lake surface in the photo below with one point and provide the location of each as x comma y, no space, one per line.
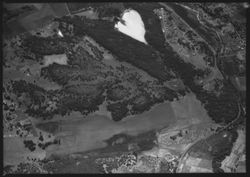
134,26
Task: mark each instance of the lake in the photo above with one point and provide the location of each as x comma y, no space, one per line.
133,27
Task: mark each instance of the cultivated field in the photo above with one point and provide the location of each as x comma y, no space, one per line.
89,133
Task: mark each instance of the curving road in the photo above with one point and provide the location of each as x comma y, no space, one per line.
183,156
215,51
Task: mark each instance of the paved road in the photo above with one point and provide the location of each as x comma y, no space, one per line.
182,158
169,8
215,53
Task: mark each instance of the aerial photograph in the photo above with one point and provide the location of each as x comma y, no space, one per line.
124,87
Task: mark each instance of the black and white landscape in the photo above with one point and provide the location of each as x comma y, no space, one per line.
137,87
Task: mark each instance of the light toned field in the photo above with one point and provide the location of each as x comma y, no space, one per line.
61,59
38,18
79,134
89,133
15,152
191,109
16,72
88,14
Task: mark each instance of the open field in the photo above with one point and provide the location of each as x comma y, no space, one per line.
90,133
84,134
15,152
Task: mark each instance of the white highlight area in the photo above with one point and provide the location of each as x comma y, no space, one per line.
60,33
60,59
134,26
